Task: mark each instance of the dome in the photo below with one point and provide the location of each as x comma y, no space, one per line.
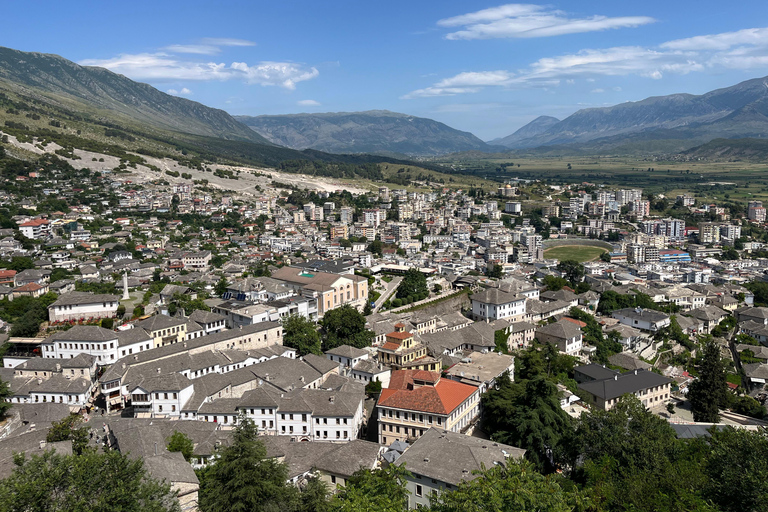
508,186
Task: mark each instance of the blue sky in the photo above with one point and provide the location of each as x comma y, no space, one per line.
483,67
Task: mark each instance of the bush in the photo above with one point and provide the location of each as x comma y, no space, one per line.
396,303
107,323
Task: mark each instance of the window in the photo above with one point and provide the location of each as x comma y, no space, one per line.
419,491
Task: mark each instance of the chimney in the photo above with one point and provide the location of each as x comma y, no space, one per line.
42,444
330,399
155,448
185,344
635,372
158,370
615,377
123,366
58,367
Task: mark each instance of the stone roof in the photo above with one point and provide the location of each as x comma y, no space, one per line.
346,351
83,333
561,329
496,296
618,385
453,457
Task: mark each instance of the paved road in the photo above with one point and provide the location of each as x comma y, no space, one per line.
391,288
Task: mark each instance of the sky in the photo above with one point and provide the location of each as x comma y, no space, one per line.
483,67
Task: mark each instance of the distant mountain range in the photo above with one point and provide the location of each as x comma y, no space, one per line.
100,88
672,123
375,131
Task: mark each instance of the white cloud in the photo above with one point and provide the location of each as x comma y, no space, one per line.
734,50
308,103
526,21
160,67
750,37
183,92
207,46
597,91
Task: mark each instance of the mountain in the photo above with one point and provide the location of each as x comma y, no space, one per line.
375,131
60,79
539,125
690,120
731,149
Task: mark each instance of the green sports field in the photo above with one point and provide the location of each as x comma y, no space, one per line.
579,253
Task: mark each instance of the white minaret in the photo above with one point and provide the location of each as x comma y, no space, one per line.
125,286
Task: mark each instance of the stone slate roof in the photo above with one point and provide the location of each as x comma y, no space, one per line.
205,317
619,385
75,298
320,363
496,296
346,351
88,333
562,329
452,457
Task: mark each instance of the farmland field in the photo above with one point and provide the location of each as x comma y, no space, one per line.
580,253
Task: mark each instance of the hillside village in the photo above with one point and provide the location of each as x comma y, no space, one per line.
366,330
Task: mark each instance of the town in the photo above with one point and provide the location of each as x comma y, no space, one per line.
161,317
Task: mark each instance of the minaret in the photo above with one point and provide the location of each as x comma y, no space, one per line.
125,286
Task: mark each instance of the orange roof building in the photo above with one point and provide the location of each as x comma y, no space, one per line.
417,400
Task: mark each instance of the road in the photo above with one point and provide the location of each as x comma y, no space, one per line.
391,288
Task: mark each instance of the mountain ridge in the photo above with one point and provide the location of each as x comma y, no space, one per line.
371,131
101,88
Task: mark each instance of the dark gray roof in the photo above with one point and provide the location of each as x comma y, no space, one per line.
595,371
131,336
84,333
205,317
693,431
452,457
628,361
562,329
158,322
346,351
496,296
350,457
320,363
75,298
643,314
625,383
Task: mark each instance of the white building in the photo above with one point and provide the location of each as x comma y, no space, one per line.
82,305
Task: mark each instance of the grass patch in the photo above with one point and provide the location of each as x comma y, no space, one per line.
580,253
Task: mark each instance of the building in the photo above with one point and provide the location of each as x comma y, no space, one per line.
402,351
105,345
35,229
83,306
331,290
417,400
644,319
164,329
495,304
564,334
756,211
650,388
441,460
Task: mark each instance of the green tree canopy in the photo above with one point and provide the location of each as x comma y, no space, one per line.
301,334
91,482
180,442
373,491
414,285
709,393
515,487
527,415
345,326
244,479
69,429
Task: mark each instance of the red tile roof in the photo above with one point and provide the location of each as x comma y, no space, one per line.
442,398
390,345
29,287
400,335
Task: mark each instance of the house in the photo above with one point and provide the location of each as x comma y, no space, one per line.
709,316
105,345
757,315
347,356
368,370
331,290
35,229
417,400
482,369
644,319
494,304
650,388
402,351
441,460
164,329
565,335
210,322
83,305
33,290
520,335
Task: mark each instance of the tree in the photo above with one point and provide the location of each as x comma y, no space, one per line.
345,326
748,406
555,283
68,429
91,482
314,496
414,284
301,334
373,388
513,487
244,479
572,270
737,469
495,271
528,415
5,394
221,286
376,247
373,491
709,392
180,442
